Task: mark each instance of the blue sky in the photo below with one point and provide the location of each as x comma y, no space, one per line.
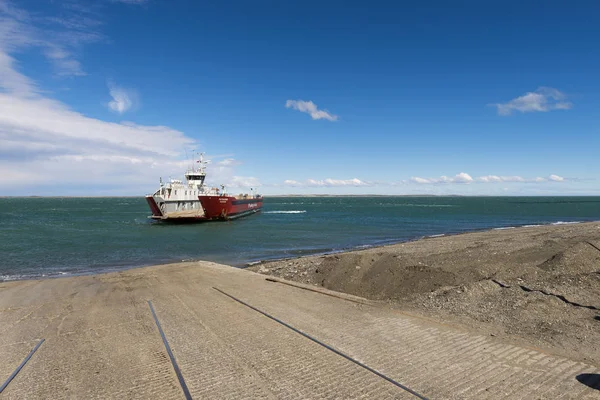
434,97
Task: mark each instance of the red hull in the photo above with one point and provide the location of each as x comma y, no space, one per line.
228,207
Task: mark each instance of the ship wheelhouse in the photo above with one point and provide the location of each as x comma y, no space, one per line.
194,178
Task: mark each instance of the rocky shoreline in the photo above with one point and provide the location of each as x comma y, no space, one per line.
538,286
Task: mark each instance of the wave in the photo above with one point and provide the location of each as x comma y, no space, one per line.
6,278
538,225
32,275
427,205
437,235
285,212
415,205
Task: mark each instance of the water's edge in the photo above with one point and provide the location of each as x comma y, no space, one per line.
251,262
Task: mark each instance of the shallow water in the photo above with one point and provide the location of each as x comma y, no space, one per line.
44,237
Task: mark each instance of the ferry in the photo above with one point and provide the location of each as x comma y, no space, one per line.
193,201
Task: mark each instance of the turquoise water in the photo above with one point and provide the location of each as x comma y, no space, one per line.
46,237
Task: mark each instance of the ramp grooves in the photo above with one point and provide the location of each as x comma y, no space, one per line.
401,386
184,387
11,377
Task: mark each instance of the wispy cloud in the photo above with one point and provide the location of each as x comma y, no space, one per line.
63,61
229,162
326,183
45,145
58,38
243,182
465,178
311,109
542,100
223,173
496,178
11,80
69,148
123,99
460,178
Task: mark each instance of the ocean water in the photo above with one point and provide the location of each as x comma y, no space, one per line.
50,237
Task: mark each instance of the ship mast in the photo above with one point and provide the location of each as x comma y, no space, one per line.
195,176
202,166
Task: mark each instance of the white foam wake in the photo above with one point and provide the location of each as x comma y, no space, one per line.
6,278
285,212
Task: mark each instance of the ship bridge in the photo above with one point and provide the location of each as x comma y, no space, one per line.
195,178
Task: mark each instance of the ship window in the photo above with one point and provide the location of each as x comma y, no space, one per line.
186,192
176,192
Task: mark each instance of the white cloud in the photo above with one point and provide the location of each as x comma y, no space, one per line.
45,146
123,99
416,179
466,178
243,182
327,182
11,80
463,178
489,178
229,162
495,178
59,146
58,38
311,109
460,178
63,61
542,100
223,173
41,120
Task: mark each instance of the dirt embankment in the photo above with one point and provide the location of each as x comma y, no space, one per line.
538,286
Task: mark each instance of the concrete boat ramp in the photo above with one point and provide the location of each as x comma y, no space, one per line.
203,330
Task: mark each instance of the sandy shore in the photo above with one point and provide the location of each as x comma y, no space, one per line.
537,286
